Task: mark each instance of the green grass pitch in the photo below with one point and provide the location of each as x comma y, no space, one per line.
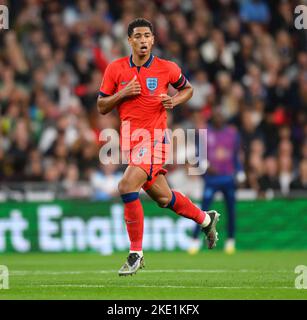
173,275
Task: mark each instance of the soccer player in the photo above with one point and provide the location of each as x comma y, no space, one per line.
224,171
137,86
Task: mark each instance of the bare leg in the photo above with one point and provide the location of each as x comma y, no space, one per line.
160,191
132,180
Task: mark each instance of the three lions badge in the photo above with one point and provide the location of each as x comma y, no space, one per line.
152,83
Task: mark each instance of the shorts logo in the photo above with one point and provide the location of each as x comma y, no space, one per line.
142,152
152,83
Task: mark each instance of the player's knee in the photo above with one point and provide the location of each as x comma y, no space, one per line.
123,186
164,201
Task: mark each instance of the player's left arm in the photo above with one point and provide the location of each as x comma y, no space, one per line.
182,96
179,82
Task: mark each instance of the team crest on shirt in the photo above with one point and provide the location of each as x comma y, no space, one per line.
152,83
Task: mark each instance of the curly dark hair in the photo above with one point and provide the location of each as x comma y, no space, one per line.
139,22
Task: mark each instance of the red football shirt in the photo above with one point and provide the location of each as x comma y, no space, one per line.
144,111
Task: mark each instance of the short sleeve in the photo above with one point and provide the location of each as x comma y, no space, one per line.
176,78
108,84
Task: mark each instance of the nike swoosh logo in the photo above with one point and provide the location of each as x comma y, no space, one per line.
129,222
123,82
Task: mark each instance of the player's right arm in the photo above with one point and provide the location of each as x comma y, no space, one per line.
108,99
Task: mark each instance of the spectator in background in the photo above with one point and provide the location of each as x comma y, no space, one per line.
64,94
304,151
71,177
283,17
87,156
35,171
300,183
285,150
230,95
19,149
105,182
71,183
216,54
285,173
52,173
250,129
202,89
255,163
269,180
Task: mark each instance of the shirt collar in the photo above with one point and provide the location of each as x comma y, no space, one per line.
146,64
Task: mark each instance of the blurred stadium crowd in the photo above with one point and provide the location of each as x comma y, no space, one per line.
245,56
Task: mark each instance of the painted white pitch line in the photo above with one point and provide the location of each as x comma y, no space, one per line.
149,286
47,272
